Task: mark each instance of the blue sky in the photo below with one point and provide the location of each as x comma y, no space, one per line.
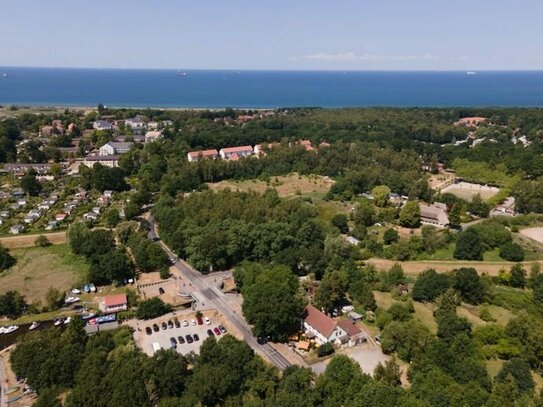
279,34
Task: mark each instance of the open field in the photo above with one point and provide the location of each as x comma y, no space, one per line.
467,190
441,180
533,233
414,268
289,185
39,268
22,241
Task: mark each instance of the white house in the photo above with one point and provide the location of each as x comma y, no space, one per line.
152,136
102,125
16,229
115,147
197,155
106,160
135,123
321,327
235,152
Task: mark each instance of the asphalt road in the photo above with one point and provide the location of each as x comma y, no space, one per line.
212,296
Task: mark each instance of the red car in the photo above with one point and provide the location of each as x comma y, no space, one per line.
217,331
200,321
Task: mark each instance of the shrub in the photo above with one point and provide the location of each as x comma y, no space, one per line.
42,241
468,246
325,350
152,308
390,236
512,252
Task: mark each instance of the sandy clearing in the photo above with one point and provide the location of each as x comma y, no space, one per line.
533,233
21,241
417,267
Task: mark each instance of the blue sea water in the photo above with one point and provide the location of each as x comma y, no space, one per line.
266,89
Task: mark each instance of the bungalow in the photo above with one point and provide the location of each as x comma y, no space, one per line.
113,147
152,125
435,214
105,160
90,216
59,217
108,194
354,334
235,152
196,155
46,131
152,136
136,138
321,327
261,148
16,229
306,144
102,125
52,225
114,303
4,214
135,123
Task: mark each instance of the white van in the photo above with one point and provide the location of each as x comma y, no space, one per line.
156,347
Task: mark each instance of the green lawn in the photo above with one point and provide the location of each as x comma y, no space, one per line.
39,268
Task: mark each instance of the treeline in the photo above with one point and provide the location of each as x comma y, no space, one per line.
215,231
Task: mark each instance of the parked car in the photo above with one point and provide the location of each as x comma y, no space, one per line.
209,332
185,322
223,329
217,331
176,323
160,290
189,338
164,326
195,337
192,322
173,342
148,330
181,339
207,321
155,328
170,324
200,321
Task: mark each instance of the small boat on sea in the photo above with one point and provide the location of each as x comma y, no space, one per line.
471,73
34,325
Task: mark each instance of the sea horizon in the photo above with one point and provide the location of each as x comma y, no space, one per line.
263,89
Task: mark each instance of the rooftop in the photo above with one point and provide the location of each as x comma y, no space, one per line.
320,321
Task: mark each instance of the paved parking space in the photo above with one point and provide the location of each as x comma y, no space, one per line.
162,337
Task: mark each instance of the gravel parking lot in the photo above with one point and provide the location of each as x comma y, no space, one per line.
162,337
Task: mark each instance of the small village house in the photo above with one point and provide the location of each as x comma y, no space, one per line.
435,214
114,148
194,156
321,327
114,303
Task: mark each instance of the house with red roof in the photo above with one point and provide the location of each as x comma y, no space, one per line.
194,156
322,328
230,152
114,303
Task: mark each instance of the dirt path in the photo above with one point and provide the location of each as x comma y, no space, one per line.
416,267
21,241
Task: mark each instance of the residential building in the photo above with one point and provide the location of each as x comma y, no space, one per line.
321,327
306,144
113,148
152,136
114,303
197,155
152,125
471,121
102,125
135,123
16,229
435,214
106,160
46,131
136,138
17,167
235,152
354,334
